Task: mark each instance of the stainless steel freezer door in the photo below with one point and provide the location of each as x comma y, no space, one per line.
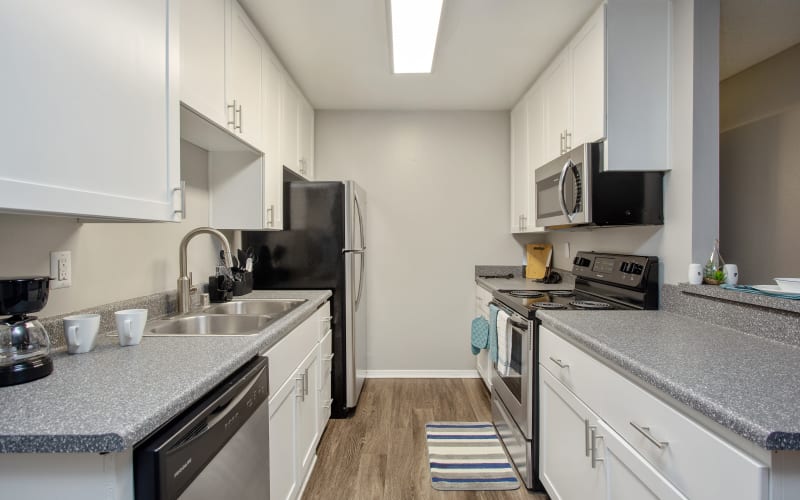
356,300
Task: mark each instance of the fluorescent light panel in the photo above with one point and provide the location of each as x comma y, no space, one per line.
415,26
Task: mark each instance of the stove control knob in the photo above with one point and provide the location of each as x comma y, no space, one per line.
625,267
637,269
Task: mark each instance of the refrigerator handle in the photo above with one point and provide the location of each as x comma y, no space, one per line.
360,279
360,219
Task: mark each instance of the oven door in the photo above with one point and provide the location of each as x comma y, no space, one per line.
563,190
515,390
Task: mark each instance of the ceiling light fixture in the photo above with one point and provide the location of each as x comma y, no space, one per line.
415,27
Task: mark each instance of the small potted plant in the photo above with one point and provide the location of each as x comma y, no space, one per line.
714,277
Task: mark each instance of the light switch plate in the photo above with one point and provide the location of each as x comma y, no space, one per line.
60,269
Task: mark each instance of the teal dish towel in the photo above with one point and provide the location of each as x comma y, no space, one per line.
493,310
480,334
750,289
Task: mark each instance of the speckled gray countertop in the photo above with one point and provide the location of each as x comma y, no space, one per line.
520,283
112,397
746,383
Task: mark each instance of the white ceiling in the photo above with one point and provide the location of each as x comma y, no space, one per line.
754,30
487,55
488,52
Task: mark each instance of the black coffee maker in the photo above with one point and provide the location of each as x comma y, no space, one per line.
24,343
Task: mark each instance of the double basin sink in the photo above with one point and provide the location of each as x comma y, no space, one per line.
239,317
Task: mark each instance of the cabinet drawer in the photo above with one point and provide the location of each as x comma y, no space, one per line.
289,352
698,462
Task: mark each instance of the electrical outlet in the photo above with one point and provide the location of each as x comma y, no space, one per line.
60,269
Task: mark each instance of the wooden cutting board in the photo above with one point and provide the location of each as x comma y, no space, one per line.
538,262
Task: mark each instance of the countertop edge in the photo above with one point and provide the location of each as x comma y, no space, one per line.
113,442
770,440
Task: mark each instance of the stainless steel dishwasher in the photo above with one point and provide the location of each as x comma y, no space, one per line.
218,448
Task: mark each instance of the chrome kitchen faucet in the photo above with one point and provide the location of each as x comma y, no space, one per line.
184,281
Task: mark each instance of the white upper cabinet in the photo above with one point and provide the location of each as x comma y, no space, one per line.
273,173
305,140
557,86
288,111
519,167
588,82
90,119
203,57
611,82
243,78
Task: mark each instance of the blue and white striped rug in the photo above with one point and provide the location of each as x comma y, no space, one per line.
468,456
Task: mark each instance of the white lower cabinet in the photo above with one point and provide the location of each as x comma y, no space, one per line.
647,448
325,373
296,422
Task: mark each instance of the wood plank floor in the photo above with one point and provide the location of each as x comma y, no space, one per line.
381,453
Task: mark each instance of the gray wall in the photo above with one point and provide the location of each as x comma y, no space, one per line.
112,261
760,169
437,188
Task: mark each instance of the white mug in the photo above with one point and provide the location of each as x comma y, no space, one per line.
80,331
731,274
695,274
130,325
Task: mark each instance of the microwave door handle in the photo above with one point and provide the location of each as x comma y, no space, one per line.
561,195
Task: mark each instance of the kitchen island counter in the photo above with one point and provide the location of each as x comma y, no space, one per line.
748,384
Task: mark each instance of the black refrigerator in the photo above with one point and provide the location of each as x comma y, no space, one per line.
323,247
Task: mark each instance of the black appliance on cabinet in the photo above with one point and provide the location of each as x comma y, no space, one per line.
322,247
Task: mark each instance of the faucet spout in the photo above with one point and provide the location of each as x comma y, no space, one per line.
183,279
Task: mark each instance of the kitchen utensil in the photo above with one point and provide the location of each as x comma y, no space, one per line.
24,343
695,274
235,261
130,325
731,274
789,284
80,331
242,256
538,257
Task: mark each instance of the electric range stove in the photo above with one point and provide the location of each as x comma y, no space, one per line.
602,282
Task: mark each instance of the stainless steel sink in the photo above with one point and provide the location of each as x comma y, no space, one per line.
264,307
209,325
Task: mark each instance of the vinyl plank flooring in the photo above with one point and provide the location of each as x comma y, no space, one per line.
381,453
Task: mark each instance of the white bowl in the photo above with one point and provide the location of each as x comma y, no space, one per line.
788,284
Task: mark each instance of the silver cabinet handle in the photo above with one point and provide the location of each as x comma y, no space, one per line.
302,163
182,189
232,121
567,141
645,431
301,394
271,216
327,404
561,143
594,437
305,383
586,432
558,362
239,110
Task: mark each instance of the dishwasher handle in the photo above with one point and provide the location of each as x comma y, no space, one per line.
178,453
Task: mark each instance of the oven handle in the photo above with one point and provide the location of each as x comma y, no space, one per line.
516,319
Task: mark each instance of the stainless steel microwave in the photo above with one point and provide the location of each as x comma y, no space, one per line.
575,189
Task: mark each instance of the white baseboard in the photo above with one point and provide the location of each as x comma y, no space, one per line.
422,374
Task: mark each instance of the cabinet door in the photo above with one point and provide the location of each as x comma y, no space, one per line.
306,138
283,472
90,121
203,58
588,82
289,103
628,475
324,388
308,412
558,106
565,465
244,77
273,178
536,153
519,167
